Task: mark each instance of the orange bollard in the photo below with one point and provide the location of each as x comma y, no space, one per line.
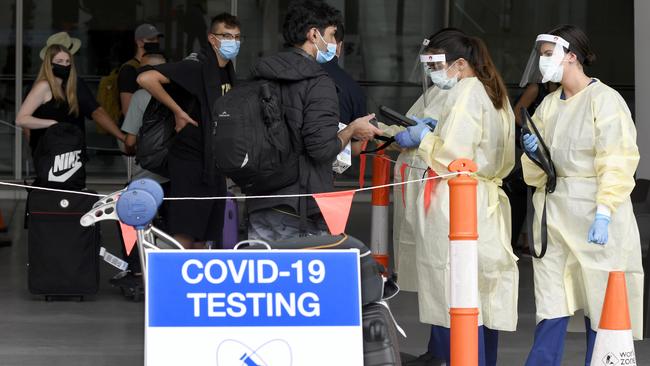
614,342
463,257
380,209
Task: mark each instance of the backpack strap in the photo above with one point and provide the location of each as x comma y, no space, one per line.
303,171
132,62
302,201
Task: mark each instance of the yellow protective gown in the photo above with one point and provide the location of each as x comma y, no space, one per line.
405,196
470,127
592,141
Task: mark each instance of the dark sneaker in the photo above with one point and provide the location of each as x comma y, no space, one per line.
130,285
426,359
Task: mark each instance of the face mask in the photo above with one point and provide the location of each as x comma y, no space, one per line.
442,80
60,71
327,56
229,48
151,47
550,69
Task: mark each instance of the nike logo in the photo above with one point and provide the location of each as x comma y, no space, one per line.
70,162
245,161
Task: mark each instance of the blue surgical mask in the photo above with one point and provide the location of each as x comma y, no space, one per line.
442,80
229,48
327,56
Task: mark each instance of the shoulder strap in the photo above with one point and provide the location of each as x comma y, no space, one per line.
132,62
530,214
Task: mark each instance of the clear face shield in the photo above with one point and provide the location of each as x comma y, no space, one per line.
443,74
545,62
430,63
415,74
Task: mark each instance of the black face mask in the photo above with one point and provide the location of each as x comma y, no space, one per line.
61,71
152,47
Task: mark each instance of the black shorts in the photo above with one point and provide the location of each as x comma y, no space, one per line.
200,219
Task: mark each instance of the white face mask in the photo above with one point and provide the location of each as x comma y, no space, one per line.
442,80
551,70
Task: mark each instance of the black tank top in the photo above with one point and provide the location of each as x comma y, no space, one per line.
543,91
53,109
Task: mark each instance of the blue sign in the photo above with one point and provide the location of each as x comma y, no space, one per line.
253,288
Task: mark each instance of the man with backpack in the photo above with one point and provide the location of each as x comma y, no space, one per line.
311,111
147,40
189,88
116,89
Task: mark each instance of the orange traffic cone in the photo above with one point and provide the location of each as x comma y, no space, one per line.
614,345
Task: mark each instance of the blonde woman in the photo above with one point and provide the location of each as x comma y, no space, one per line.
58,96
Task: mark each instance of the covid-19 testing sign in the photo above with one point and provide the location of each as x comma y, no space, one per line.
253,308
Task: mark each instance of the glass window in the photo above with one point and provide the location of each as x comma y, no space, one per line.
509,29
7,89
382,40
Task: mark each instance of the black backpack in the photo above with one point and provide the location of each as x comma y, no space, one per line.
155,137
251,140
60,158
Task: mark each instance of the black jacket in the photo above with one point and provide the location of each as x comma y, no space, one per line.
310,106
199,75
352,100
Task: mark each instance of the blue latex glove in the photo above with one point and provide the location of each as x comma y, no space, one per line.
432,123
598,230
530,143
418,131
404,140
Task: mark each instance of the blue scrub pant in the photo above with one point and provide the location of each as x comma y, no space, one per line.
488,341
548,346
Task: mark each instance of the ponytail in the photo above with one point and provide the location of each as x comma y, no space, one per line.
486,72
457,45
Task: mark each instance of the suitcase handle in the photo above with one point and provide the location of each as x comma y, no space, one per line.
111,197
103,212
249,242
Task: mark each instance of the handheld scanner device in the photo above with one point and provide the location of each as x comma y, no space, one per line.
541,157
396,117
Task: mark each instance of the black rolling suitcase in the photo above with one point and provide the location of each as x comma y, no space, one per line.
63,256
380,343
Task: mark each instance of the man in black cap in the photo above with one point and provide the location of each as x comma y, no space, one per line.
147,40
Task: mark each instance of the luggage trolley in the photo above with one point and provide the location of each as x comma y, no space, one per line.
136,205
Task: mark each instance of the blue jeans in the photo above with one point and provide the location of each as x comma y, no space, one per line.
548,346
